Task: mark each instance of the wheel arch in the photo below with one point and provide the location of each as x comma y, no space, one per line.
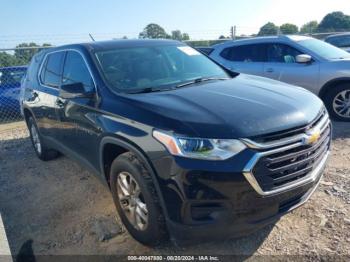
331,83
127,146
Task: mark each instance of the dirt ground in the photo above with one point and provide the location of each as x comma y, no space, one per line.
57,207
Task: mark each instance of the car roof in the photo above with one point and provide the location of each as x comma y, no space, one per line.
263,39
111,44
337,35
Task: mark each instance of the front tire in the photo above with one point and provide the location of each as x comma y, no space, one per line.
337,101
136,200
42,151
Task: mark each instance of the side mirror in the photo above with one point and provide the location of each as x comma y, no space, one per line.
303,58
75,90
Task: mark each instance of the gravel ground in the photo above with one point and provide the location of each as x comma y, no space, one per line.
58,207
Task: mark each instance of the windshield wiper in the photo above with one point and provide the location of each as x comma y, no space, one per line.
155,89
200,80
148,90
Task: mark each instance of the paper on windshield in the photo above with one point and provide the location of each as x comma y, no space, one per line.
188,50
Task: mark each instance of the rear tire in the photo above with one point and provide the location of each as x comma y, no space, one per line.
337,101
133,189
41,149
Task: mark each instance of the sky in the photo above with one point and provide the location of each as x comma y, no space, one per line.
72,20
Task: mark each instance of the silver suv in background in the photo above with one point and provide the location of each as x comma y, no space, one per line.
340,40
298,60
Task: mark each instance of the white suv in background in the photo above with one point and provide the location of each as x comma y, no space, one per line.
298,60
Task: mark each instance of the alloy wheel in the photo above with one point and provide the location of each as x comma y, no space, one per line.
341,103
132,201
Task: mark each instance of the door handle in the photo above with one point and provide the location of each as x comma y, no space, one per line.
59,103
270,70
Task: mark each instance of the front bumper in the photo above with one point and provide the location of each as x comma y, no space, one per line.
223,203
248,216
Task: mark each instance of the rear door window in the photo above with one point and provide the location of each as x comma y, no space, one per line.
245,53
52,70
75,71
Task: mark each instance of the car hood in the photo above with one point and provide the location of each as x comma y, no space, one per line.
243,107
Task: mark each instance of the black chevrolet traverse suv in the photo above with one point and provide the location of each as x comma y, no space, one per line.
187,148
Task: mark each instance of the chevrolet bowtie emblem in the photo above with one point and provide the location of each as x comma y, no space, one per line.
311,137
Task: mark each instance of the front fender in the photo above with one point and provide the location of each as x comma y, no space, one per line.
130,146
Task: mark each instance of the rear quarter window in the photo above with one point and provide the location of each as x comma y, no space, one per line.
51,72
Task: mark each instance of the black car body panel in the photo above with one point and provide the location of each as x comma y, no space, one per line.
199,197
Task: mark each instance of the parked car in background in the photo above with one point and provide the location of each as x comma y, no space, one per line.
302,61
188,148
10,85
204,50
340,40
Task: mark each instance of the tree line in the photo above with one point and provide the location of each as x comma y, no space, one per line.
332,22
155,31
22,54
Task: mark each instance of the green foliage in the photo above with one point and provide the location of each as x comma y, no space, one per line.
177,35
185,37
335,21
309,28
289,29
7,59
22,55
268,29
153,31
26,55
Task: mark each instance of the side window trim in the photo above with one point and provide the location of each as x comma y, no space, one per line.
43,66
41,70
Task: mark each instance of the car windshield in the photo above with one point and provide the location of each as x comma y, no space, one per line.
324,49
157,67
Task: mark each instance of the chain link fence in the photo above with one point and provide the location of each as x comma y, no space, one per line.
13,67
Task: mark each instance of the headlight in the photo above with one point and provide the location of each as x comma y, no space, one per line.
200,148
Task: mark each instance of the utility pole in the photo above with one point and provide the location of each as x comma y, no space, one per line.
233,32
279,32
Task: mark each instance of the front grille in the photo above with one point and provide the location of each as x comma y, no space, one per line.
276,170
286,159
